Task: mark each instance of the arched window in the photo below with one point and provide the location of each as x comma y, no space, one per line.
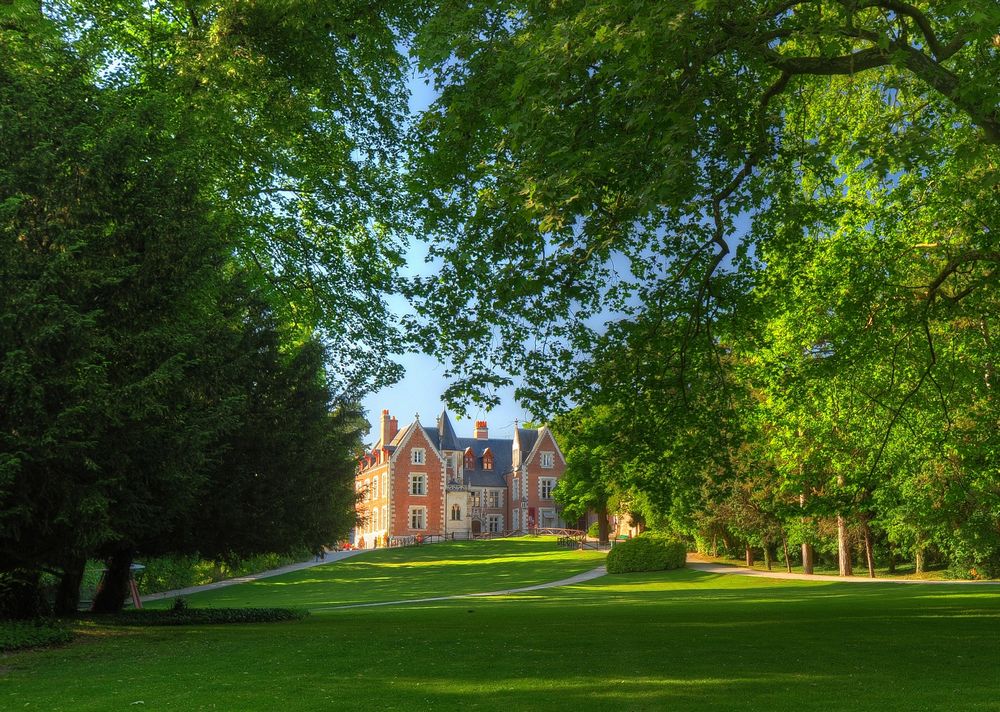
456,513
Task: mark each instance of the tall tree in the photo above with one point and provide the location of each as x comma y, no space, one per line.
594,158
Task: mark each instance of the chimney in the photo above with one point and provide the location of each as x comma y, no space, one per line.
386,424
393,428
481,433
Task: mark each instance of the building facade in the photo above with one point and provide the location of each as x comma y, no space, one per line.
419,481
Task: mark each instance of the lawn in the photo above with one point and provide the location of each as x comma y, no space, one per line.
411,573
681,640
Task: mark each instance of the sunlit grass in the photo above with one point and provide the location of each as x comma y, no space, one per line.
678,640
382,575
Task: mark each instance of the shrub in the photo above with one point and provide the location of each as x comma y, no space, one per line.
594,530
183,615
647,552
18,635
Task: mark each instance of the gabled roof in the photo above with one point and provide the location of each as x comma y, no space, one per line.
447,440
526,437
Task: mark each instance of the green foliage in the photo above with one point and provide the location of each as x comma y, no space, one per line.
764,232
647,552
152,359
38,633
593,530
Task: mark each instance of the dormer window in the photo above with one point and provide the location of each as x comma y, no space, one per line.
470,459
487,459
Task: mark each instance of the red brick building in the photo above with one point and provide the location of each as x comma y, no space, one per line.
420,481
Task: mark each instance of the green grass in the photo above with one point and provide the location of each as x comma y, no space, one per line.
410,573
675,640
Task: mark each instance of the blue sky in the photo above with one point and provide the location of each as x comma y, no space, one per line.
421,389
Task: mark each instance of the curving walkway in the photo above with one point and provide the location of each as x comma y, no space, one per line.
694,565
579,578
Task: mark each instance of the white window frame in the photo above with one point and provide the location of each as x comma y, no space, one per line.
412,517
494,523
493,499
546,483
376,492
548,460
418,456
418,478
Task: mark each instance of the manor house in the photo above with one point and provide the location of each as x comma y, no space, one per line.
420,481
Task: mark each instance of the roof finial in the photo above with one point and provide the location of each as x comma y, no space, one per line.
417,417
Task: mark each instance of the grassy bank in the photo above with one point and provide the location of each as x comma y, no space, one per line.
673,640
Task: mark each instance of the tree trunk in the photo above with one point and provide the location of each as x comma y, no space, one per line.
844,547
715,544
807,558
807,550
869,548
768,556
891,563
111,594
920,560
749,556
788,558
602,524
68,592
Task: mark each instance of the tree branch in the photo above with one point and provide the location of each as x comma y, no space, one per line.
954,264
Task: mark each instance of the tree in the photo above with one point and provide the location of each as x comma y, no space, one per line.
588,159
790,200
594,458
116,262
291,113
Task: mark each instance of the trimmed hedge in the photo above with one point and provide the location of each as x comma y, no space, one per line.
18,635
647,552
201,616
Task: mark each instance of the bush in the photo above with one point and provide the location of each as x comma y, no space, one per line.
647,552
594,530
181,614
18,635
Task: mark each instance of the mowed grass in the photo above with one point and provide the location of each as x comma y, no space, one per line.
410,573
678,640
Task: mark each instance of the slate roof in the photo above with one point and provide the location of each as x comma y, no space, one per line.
446,433
502,452
528,438
444,438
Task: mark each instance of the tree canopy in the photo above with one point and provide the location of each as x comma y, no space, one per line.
768,229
